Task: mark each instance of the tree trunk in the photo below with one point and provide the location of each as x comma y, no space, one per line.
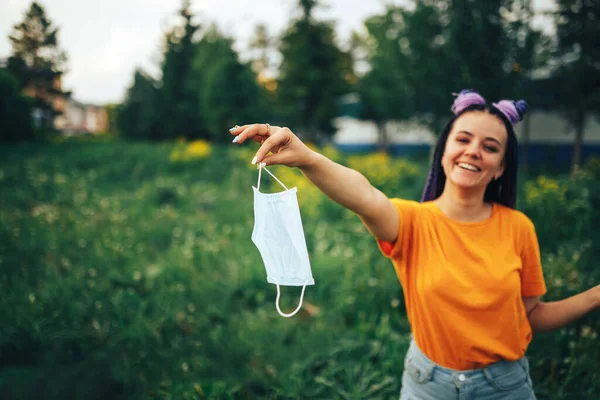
383,140
578,144
436,127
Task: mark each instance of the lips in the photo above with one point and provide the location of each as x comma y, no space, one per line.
469,167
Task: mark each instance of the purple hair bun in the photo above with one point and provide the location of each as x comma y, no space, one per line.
465,99
522,108
514,111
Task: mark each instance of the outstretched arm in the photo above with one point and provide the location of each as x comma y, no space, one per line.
353,191
548,316
345,186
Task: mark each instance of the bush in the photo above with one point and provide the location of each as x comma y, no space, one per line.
565,212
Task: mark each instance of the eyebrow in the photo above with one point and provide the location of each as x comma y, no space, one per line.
487,138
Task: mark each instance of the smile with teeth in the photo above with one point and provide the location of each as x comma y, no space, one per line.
469,167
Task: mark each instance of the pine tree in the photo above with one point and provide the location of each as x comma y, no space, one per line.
138,116
261,44
226,89
37,61
313,75
178,103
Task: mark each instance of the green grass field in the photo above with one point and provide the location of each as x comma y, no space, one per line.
127,272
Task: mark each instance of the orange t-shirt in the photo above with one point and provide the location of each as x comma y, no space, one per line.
463,282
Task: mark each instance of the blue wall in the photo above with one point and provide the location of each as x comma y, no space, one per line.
556,155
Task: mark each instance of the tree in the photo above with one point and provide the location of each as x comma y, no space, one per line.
481,43
138,116
384,91
460,44
37,61
112,111
179,103
529,51
578,54
313,73
419,55
15,111
226,89
434,67
261,44
262,47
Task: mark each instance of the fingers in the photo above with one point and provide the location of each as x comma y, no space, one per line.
257,132
273,143
275,159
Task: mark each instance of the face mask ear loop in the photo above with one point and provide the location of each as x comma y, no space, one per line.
259,171
274,177
293,312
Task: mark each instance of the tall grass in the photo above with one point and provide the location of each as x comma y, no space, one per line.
127,271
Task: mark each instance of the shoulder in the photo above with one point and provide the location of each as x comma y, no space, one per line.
411,207
403,203
516,216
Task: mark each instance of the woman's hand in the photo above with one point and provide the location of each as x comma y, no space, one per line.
343,185
285,147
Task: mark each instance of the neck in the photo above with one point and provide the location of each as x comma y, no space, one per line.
463,205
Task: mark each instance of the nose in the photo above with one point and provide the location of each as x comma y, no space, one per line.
473,151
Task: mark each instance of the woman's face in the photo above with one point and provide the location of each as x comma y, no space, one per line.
475,149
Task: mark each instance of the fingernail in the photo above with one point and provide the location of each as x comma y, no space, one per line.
233,129
254,160
262,164
235,139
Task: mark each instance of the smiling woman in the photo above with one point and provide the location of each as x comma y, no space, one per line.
469,263
482,136
475,151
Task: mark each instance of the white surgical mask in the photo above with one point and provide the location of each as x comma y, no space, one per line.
279,237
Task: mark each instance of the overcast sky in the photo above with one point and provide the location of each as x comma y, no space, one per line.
106,40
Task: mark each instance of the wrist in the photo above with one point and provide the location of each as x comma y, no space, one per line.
311,161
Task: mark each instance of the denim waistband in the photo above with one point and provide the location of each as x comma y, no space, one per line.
500,374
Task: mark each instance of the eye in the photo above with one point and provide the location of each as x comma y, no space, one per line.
491,149
462,140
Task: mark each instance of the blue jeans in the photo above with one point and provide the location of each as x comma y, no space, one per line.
423,379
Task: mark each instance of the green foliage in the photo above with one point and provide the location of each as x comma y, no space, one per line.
432,57
35,43
261,44
15,111
418,56
478,36
141,273
227,90
313,73
113,115
385,91
178,109
139,116
565,211
126,275
36,58
578,73
204,89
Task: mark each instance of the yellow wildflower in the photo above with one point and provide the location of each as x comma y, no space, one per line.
198,149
